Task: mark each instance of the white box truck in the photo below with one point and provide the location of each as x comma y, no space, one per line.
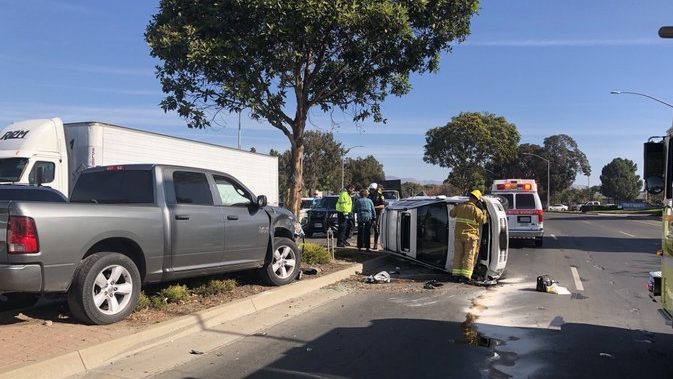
62,151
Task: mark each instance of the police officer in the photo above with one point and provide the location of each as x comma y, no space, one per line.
469,219
376,196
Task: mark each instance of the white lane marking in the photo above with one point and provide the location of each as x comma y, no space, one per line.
626,234
554,237
651,223
576,278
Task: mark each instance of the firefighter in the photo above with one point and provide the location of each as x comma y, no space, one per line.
344,206
469,219
376,196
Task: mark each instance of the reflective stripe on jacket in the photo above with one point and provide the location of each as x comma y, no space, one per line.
345,203
469,219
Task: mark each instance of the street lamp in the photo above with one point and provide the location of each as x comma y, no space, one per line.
548,177
343,163
640,94
663,34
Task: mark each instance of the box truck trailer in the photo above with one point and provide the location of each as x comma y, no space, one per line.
55,153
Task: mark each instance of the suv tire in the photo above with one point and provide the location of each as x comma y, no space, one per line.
283,265
105,289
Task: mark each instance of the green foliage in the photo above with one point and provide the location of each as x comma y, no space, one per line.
363,171
315,254
174,293
619,180
566,161
215,287
469,142
144,301
322,161
280,59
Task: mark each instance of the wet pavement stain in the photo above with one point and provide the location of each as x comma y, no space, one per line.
470,336
578,296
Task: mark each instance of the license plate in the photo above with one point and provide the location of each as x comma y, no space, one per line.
523,219
319,225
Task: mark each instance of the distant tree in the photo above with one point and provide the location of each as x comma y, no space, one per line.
411,189
619,180
363,171
281,59
468,143
566,162
445,189
322,162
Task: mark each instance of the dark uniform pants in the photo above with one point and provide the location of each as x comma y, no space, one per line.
364,233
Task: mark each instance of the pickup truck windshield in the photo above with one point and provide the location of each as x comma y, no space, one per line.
114,187
11,169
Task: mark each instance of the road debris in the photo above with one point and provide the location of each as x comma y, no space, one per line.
47,323
311,271
381,277
432,284
606,355
196,352
546,284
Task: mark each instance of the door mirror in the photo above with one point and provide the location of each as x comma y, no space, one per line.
654,184
654,166
261,201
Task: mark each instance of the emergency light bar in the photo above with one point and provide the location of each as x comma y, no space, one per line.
515,186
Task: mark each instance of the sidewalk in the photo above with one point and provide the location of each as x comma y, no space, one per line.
45,339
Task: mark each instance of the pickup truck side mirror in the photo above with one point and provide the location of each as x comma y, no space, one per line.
261,201
39,176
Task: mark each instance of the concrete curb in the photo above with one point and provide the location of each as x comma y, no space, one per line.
78,362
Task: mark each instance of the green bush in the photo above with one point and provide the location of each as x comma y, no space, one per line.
144,301
174,293
315,254
215,286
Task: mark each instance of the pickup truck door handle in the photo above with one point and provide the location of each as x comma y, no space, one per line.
181,217
232,217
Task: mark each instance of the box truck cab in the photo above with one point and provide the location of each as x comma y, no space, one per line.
524,214
31,146
61,151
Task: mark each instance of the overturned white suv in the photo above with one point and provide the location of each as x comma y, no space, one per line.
420,229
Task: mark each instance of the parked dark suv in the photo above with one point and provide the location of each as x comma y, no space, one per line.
323,216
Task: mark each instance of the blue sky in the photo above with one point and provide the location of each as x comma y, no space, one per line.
547,66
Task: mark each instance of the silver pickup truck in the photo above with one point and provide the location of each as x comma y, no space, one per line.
134,224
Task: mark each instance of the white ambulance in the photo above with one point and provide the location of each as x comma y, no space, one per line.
525,215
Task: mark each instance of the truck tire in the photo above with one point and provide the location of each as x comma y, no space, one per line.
538,241
283,265
105,289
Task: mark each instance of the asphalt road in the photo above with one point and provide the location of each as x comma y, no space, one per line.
608,327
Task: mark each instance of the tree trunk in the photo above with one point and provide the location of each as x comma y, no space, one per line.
296,178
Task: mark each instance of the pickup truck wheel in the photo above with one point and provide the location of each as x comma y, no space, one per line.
283,266
105,289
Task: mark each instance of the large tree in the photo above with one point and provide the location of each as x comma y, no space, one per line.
565,158
619,180
361,172
468,143
322,164
280,59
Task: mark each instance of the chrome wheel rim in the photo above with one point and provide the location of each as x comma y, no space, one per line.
112,289
284,262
